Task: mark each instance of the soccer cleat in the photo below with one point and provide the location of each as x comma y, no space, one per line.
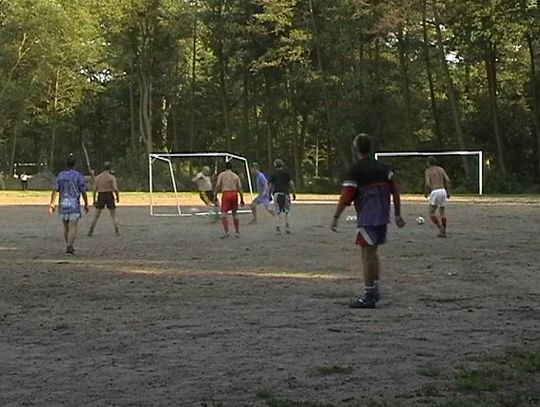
278,230
362,303
376,295
287,229
70,250
237,234
224,236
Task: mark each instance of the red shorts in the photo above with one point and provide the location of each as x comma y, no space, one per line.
229,201
371,235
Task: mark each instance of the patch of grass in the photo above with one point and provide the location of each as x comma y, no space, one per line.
274,401
333,370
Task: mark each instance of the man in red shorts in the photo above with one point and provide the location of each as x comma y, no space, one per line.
369,184
230,186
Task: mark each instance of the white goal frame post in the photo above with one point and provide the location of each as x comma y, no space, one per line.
480,155
166,157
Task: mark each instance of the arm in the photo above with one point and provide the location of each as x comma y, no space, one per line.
292,189
85,199
447,184
240,192
217,187
427,184
52,205
348,195
116,191
397,203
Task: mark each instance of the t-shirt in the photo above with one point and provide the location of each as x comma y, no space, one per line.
262,185
368,184
105,182
280,180
204,183
228,181
70,184
24,177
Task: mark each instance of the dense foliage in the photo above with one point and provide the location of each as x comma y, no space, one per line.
294,79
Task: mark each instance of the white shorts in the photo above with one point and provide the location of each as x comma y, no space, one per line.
438,198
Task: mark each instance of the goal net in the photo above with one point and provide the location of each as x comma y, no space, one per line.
173,192
476,168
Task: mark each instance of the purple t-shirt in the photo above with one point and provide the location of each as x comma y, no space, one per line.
70,184
372,179
262,185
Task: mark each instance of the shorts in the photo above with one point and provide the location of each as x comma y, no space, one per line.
262,200
229,201
282,202
70,217
371,235
438,198
105,199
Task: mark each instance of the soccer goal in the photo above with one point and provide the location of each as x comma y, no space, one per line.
478,154
170,186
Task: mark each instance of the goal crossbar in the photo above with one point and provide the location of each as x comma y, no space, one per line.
480,155
166,157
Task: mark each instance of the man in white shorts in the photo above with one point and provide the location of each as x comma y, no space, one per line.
437,187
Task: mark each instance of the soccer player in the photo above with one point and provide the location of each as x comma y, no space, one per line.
281,188
70,185
106,188
369,184
437,187
230,186
204,185
263,193
24,181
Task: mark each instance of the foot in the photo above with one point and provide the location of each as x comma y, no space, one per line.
442,233
252,222
70,250
90,232
377,295
224,236
237,234
362,303
278,230
287,229
117,232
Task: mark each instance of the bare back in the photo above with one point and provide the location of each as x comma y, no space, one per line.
228,181
436,178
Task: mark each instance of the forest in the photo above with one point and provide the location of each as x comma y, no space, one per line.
294,79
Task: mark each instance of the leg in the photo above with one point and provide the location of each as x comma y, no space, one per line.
66,230
112,211
94,221
253,207
72,235
370,269
443,220
433,216
236,222
225,223
270,210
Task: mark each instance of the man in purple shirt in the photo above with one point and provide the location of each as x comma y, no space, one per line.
369,184
263,193
70,185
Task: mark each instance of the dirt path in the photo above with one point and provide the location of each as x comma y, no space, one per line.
169,315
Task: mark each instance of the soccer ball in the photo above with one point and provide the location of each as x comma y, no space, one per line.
420,220
351,218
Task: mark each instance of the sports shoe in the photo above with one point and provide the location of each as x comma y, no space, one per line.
362,303
287,229
70,250
237,234
224,236
376,295
278,230
117,231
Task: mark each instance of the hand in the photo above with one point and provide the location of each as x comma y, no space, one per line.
52,208
294,197
118,200
448,195
426,195
242,203
333,226
400,222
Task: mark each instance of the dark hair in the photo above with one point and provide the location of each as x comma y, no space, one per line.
107,166
228,165
278,163
71,161
431,160
362,143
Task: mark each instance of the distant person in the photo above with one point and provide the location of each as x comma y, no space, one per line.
230,186
106,189
263,193
203,181
369,184
24,181
437,187
2,180
70,185
281,188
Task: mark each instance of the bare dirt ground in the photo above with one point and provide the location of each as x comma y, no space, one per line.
169,315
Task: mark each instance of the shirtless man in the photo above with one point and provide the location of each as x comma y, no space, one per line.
229,184
437,187
106,190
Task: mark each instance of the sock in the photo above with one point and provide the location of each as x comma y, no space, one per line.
370,294
435,221
236,222
443,221
225,223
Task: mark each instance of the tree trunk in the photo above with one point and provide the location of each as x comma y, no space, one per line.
534,96
450,92
133,132
13,151
268,118
54,108
145,113
405,86
295,130
256,120
193,84
429,73
223,94
246,139
491,73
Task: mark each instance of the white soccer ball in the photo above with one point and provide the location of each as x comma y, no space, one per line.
420,220
351,218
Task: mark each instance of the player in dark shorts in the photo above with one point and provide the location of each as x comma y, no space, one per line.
369,184
106,190
281,188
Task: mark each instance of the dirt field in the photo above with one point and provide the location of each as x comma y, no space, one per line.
170,315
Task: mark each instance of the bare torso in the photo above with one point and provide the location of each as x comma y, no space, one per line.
436,178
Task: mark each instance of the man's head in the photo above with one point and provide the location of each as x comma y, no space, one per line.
362,144
228,165
278,163
71,161
431,160
255,168
107,166
206,170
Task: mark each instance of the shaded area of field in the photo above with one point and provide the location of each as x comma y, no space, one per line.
168,314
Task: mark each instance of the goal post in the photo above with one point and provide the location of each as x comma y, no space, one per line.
479,154
168,158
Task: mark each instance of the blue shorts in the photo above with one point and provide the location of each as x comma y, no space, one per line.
262,200
282,202
371,235
70,217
